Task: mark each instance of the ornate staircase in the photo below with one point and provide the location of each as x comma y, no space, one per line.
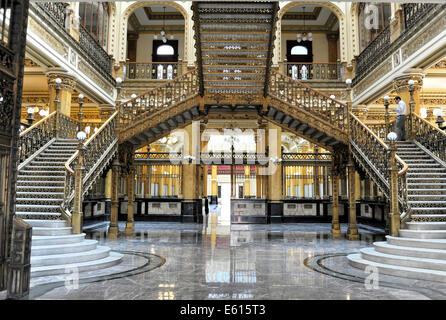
419,251
44,192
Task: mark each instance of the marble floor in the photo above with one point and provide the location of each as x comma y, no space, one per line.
166,261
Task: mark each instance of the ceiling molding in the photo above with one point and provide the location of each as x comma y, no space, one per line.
300,15
160,15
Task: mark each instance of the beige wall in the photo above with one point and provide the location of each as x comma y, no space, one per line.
320,46
144,47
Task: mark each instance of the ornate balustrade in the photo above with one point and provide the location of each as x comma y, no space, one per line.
303,96
313,71
94,49
152,70
380,129
429,136
36,136
156,99
414,12
372,55
56,10
416,15
373,155
68,127
97,152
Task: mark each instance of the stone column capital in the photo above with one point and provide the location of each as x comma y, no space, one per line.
68,81
400,83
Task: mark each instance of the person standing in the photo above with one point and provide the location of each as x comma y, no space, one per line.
400,123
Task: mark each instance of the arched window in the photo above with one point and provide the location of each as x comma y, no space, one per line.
165,50
373,18
159,72
94,17
169,72
299,50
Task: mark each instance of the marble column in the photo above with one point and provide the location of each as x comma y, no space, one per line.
335,226
275,186
130,227
352,231
113,229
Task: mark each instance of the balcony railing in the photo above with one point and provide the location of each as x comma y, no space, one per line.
152,70
94,49
413,12
313,71
56,10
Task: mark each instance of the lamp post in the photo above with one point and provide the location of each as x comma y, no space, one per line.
386,115
439,113
57,103
133,96
30,118
80,114
76,220
118,103
394,206
411,107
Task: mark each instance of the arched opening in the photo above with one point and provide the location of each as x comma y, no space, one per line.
155,42
310,42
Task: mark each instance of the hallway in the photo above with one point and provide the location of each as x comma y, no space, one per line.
217,261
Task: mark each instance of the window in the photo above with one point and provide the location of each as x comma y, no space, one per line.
368,28
299,50
165,50
93,17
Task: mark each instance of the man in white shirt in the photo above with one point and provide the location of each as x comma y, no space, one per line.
401,114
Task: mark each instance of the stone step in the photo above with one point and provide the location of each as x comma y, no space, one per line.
39,215
419,161
407,148
68,258
46,166
57,160
387,248
51,231
414,156
427,197
421,185
427,175
432,179
55,240
371,254
423,234
85,245
425,165
46,223
410,152
42,183
38,201
40,189
111,260
39,195
42,172
54,154
431,202
41,179
428,210
414,170
37,208
426,225
357,261
428,191
428,217
417,243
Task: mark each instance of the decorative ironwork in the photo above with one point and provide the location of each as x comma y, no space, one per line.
55,10
98,152
371,56
161,97
152,70
381,130
313,71
303,96
94,49
414,12
429,136
68,127
36,136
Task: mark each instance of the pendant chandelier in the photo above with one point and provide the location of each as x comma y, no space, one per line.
163,30
304,36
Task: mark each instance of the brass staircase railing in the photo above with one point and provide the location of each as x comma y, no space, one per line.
156,99
373,154
305,97
94,156
431,137
36,136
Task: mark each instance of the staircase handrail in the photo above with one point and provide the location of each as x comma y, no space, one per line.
430,136
36,136
97,153
139,107
379,162
330,109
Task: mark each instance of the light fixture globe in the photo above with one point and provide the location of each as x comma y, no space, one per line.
30,110
80,96
58,80
386,98
87,129
348,81
81,135
411,82
42,113
118,80
392,136
332,96
133,96
438,112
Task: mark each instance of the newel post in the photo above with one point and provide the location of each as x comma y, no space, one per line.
395,219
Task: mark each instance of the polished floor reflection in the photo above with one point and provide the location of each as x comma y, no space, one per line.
215,261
